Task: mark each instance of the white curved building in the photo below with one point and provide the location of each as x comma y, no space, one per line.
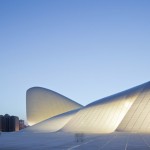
42,104
127,111
137,119
53,124
105,115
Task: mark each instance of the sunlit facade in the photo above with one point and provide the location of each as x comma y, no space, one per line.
106,115
127,111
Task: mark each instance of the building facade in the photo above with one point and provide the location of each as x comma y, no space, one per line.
21,124
9,123
126,111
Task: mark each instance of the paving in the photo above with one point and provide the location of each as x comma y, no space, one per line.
78,141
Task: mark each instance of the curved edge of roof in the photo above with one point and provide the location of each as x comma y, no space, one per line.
38,87
36,127
130,90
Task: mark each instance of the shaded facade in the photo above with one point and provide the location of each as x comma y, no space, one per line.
9,123
1,122
21,124
14,123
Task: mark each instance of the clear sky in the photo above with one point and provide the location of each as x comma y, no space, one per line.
83,49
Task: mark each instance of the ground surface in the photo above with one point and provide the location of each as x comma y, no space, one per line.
67,141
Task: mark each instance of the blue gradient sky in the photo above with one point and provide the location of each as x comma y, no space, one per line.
83,49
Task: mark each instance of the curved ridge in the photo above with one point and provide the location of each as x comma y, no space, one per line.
105,115
126,111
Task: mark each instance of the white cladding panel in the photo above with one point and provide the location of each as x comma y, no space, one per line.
105,115
138,117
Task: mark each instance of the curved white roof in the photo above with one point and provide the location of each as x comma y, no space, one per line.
42,104
127,111
105,115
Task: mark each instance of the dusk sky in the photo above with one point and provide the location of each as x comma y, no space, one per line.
83,49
